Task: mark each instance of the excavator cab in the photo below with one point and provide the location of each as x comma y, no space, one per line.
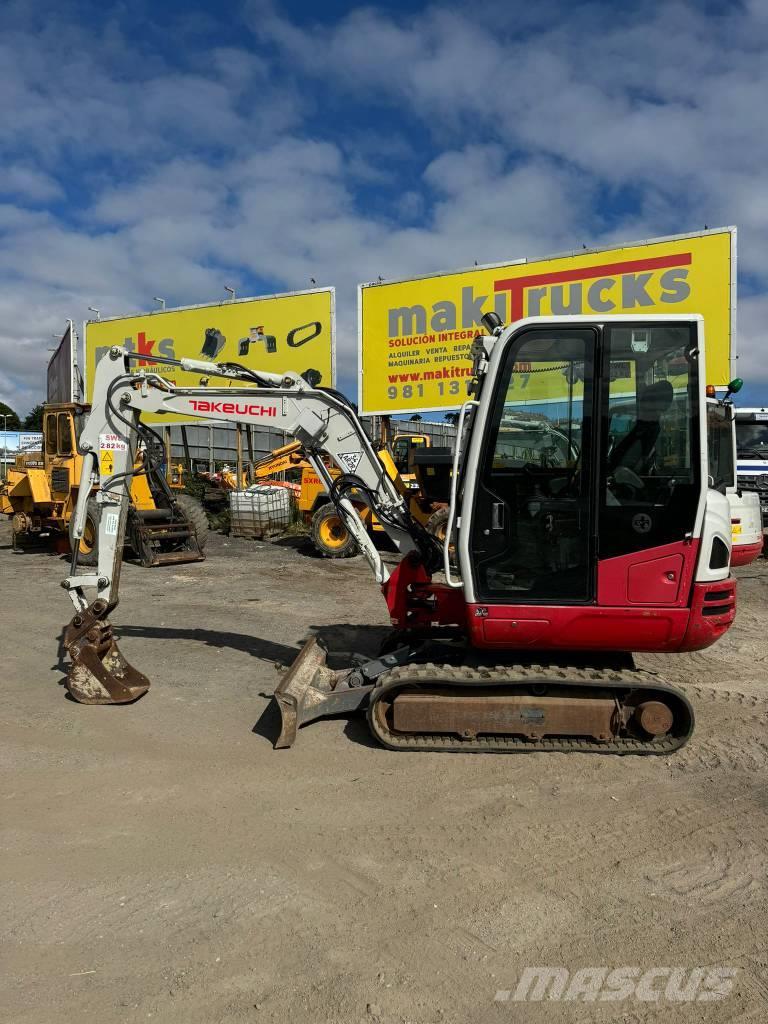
586,530
584,479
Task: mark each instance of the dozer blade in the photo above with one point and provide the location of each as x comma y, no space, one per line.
311,690
99,673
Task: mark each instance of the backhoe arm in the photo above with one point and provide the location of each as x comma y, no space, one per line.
290,456
322,421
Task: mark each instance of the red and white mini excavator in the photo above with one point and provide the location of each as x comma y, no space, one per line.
582,528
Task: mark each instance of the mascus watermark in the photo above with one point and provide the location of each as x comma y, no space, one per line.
614,984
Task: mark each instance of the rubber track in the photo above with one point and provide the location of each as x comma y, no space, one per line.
430,675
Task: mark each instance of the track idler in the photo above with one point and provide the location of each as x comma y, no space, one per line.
99,674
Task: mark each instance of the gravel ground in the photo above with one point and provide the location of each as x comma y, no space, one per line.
163,861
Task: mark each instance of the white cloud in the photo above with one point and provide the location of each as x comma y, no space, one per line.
751,363
29,183
365,146
671,97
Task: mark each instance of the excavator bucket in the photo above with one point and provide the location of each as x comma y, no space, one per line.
99,673
311,690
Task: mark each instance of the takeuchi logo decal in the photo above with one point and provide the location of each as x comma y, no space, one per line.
232,408
607,288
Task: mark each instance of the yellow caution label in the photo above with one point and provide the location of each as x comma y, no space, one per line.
106,463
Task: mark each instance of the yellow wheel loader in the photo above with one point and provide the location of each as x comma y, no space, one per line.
41,491
330,536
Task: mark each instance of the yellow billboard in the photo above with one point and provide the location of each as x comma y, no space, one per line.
415,335
294,331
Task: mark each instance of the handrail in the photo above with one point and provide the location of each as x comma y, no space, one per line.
454,489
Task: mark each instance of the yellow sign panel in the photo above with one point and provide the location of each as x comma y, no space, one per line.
415,335
276,333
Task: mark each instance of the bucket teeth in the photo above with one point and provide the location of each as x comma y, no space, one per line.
99,673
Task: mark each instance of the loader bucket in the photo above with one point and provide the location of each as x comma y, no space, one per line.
311,690
99,674
159,539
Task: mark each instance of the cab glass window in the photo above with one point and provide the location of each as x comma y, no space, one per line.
65,434
720,446
401,451
50,435
532,528
752,438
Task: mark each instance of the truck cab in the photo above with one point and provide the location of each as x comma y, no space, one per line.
752,454
746,519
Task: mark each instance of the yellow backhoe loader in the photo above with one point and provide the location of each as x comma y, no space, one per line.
40,495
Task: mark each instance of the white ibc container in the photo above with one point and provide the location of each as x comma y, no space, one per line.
261,511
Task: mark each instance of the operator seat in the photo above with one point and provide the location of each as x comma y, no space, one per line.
636,450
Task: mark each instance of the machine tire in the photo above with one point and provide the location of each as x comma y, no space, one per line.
437,523
88,551
330,536
195,513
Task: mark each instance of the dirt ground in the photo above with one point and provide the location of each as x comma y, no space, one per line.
163,861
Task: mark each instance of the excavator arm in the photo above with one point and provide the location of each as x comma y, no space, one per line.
322,421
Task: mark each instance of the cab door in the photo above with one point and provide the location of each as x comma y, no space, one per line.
650,486
532,536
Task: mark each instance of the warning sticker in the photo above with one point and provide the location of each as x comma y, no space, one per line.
111,521
108,445
112,443
350,460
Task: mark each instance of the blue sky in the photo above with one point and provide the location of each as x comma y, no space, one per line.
153,149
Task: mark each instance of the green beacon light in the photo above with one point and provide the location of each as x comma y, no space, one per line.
734,387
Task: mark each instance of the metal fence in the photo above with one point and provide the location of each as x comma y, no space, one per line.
209,446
